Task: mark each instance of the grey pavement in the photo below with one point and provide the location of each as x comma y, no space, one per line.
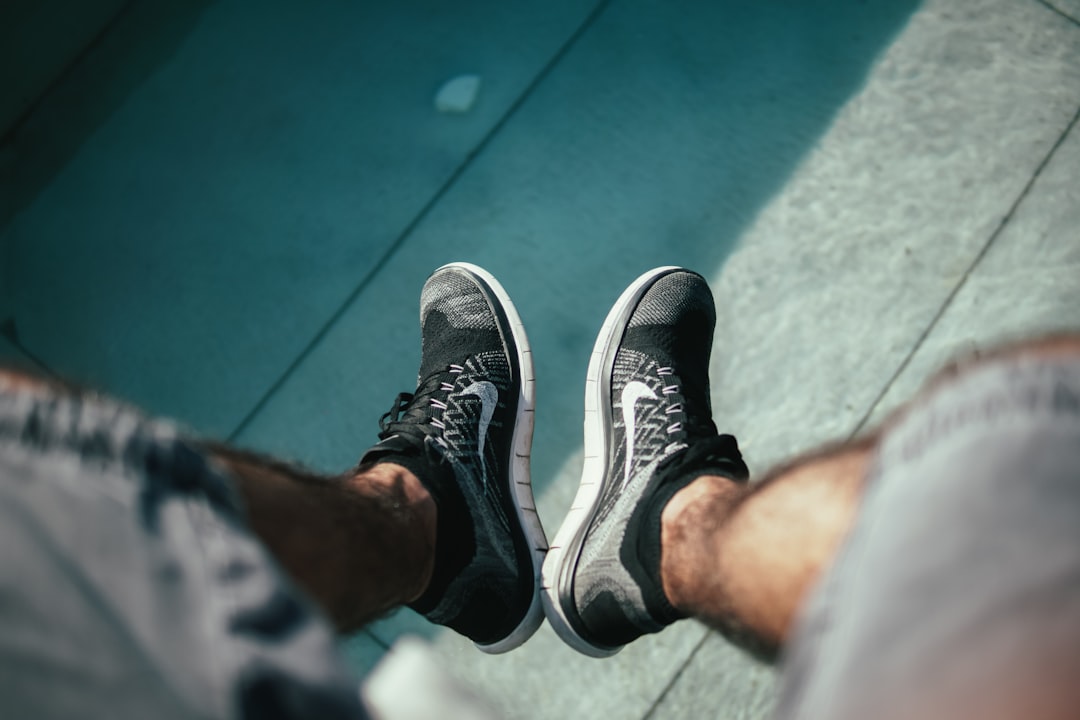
224,212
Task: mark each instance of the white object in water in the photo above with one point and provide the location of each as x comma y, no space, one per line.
458,95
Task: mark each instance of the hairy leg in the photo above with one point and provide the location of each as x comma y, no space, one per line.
360,544
743,558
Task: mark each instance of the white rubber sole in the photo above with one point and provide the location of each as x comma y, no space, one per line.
520,476
562,559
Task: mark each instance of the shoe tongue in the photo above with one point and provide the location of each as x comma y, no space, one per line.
396,445
714,455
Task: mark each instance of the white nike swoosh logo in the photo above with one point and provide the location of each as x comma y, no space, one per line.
489,398
634,391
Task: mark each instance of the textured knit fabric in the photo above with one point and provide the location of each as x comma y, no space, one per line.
660,407
484,597
457,299
456,433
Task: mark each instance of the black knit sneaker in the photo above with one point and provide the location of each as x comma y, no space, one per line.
466,433
648,433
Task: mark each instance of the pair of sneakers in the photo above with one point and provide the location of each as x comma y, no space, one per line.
466,433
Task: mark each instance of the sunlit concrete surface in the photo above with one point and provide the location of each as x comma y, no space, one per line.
226,210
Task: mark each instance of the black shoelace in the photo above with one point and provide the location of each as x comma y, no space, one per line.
412,414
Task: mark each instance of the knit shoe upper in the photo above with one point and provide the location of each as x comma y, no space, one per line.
466,433
649,432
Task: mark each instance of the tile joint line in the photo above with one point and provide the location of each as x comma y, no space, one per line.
376,639
967,274
922,338
1004,222
410,228
1054,9
675,678
9,331
9,136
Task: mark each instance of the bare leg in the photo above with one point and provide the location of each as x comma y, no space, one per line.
359,544
743,558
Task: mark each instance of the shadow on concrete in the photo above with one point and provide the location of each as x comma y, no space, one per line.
142,38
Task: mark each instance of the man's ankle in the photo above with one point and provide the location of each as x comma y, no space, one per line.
688,526
411,496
